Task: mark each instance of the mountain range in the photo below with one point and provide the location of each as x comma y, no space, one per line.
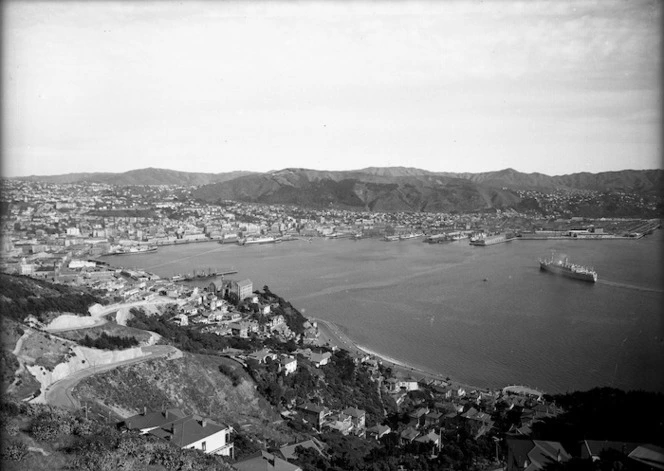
379,188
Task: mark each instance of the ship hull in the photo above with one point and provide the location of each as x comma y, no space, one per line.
567,273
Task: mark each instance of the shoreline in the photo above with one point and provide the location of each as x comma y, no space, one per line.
330,334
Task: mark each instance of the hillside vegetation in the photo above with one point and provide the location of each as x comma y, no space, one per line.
194,384
40,437
21,296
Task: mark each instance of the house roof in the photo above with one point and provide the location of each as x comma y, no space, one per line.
535,454
153,419
429,437
649,455
309,407
596,447
353,412
288,451
379,429
409,434
264,461
192,428
244,283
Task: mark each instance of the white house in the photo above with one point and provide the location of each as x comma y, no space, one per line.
195,432
288,364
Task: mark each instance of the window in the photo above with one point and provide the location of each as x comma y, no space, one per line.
203,446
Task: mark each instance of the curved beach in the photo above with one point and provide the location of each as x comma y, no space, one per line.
331,335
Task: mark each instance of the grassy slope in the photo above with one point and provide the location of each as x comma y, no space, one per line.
192,383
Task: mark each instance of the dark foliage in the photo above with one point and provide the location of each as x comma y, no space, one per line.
606,414
337,385
189,339
21,296
109,342
231,373
97,446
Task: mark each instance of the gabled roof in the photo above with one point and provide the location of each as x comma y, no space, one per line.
310,407
148,420
535,454
353,412
649,455
288,451
190,429
545,452
379,429
409,434
429,437
596,447
264,461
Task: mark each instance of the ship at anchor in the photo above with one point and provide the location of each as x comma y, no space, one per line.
570,270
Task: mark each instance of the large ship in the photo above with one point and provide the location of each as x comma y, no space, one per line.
258,240
570,270
136,250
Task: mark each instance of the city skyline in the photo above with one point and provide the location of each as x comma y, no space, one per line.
554,88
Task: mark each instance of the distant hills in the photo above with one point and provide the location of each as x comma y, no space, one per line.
410,189
379,188
145,176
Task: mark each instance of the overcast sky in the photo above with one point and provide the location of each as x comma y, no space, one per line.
540,86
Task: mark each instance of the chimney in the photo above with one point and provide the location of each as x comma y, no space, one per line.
145,410
203,422
559,458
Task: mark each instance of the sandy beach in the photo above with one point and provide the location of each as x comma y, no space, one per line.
331,334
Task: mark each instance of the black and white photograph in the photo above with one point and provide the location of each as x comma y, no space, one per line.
290,235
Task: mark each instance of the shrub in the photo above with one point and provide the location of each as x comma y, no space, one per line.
44,430
14,450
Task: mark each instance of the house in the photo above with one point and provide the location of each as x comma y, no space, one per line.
146,421
594,448
418,416
648,456
358,419
264,461
181,319
313,414
317,359
477,423
288,451
433,419
195,432
431,437
408,435
533,455
378,431
341,422
397,384
288,364
261,356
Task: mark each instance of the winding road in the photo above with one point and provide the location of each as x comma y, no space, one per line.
59,393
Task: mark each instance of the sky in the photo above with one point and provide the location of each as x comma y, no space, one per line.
555,87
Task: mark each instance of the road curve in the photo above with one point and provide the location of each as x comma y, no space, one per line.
59,393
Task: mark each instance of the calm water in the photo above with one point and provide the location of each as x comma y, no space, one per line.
429,305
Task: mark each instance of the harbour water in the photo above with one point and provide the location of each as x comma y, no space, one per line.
485,316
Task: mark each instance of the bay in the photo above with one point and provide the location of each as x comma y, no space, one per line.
485,316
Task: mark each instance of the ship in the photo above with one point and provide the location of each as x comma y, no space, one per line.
570,270
206,274
412,235
141,249
259,240
482,240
